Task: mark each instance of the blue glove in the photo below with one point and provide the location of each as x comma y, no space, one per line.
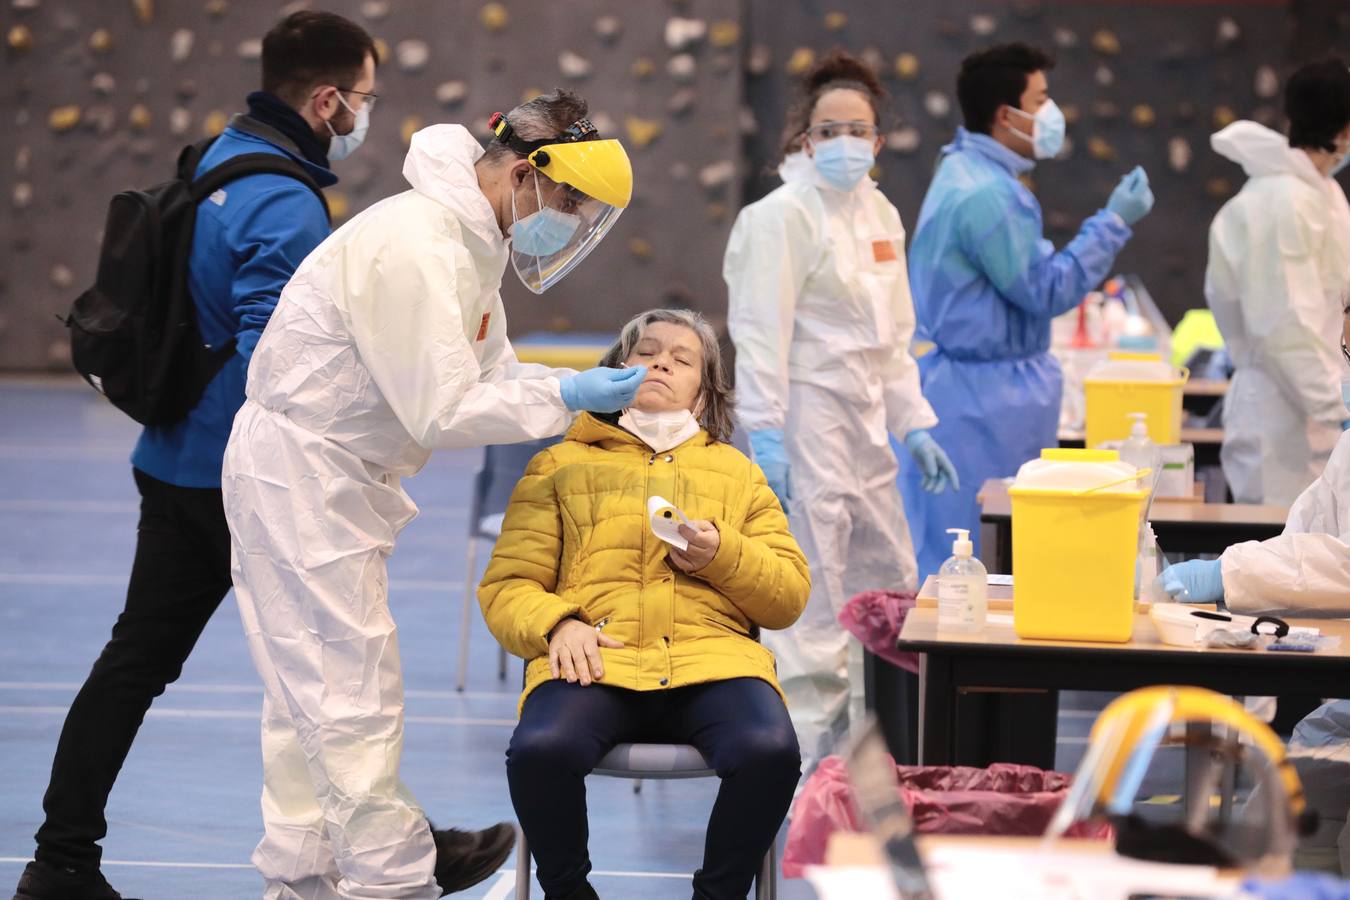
767,444
1301,886
933,462
1345,426
1194,581
601,389
1132,199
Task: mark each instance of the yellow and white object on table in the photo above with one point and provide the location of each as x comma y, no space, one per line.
1076,516
1134,383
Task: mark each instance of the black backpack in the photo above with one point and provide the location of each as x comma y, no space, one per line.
134,335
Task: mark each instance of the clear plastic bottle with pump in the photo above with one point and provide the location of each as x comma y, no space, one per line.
1140,452
963,587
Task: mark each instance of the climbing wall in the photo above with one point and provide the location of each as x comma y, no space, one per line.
98,95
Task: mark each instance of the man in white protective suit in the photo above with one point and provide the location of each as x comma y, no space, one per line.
1279,263
389,342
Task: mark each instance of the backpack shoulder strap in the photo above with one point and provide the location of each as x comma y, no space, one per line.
255,164
190,157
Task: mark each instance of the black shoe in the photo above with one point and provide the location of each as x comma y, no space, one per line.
41,881
464,858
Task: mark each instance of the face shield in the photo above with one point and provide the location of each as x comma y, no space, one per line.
577,189
1241,803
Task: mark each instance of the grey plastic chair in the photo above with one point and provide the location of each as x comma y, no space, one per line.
661,762
492,486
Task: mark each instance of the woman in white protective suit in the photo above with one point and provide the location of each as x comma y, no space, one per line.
821,317
389,342
1279,260
1305,571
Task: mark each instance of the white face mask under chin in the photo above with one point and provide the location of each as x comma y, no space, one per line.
661,431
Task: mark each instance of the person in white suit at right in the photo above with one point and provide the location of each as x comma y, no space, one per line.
1279,261
1304,571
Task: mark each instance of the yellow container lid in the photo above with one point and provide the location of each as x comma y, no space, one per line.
1078,454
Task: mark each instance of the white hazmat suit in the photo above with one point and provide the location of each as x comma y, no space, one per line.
1306,571
821,316
389,341
1279,260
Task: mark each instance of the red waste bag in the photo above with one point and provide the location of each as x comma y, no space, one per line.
875,618
1003,799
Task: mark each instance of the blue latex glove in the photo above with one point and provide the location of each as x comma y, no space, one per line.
1194,581
601,389
1301,886
1132,198
767,444
933,462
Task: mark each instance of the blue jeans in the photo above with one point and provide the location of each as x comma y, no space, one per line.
740,725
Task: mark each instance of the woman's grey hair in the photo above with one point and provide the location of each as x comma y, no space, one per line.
545,116
716,414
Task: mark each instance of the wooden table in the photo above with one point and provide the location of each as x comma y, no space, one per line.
1203,387
1182,526
954,666
1207,441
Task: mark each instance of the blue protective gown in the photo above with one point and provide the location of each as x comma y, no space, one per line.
986,285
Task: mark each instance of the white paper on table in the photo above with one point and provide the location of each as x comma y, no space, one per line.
1001,580
967,872
852,882
666,518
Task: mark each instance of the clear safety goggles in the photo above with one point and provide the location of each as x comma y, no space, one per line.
550,240
826,131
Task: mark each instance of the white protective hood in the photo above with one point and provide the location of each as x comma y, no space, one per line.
439,165
1263,151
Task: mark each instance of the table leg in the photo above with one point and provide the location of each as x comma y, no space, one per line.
1198,775
937,708
893,697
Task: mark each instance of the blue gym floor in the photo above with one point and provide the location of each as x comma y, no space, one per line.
184,817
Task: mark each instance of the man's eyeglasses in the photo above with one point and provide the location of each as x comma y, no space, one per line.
370,99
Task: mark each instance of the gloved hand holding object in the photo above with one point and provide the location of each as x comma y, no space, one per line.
1132,198
937,468
767,444
1194,581
602,389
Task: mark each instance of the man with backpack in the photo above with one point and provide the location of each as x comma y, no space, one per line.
248,236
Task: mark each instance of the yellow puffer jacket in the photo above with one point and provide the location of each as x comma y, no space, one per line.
576,542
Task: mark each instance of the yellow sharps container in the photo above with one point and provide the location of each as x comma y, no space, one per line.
1129,383
1075,535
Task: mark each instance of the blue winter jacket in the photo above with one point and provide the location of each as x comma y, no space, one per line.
250,236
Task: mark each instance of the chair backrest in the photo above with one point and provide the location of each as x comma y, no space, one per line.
503,464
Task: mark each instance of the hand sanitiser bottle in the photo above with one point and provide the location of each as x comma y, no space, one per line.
963,587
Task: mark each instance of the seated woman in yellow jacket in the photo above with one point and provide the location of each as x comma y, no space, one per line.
632,640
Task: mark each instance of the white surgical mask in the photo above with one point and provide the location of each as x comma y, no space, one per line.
844,161
1047,130
661,431
344,145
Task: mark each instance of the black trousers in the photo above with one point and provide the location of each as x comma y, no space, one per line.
740,725
180,575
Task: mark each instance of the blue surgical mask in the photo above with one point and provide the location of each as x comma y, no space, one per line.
541,233
344,145
844,161
1047,130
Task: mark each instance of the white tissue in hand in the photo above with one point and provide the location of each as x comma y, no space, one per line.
665,519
